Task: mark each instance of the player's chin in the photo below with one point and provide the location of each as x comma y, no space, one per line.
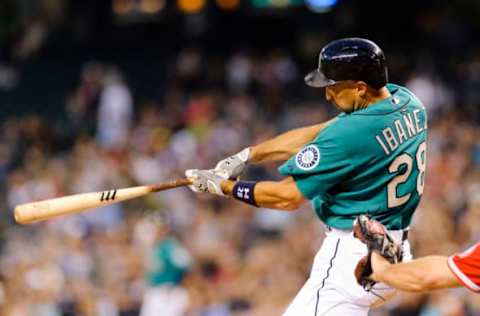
340,108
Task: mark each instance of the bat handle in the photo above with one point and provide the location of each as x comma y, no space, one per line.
171,184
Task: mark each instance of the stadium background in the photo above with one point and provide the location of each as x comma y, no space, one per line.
102,94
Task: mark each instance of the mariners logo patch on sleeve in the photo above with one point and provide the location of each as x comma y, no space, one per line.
308,158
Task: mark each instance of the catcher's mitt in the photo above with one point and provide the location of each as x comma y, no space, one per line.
375,236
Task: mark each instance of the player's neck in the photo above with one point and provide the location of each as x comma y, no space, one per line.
372,97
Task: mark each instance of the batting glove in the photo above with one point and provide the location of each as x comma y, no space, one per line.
205,181
233,166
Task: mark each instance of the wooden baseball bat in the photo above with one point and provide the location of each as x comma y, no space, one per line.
41,210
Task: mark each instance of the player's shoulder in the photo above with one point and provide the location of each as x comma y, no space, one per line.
339,131
403,92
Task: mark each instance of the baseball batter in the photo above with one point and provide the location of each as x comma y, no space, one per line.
370,159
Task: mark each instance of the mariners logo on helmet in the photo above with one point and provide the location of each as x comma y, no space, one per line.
308,158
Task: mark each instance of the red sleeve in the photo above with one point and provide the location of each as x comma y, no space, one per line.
466,267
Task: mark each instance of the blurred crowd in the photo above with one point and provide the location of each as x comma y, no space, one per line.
226,258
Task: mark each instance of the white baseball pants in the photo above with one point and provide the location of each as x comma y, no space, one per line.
164,300
331,289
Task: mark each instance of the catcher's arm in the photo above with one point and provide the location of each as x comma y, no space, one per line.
420,275
284,146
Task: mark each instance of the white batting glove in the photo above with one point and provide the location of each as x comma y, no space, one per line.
233,166
205,181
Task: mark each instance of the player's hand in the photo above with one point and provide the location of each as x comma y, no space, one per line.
205,181
233,166
375,236
363,272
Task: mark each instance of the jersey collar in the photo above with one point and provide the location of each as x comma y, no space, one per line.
397,100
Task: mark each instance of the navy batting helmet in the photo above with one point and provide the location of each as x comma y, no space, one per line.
350,59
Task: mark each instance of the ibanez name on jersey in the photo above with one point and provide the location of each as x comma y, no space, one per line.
405,128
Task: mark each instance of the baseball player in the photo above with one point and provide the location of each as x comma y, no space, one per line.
431,272
167,265
369,159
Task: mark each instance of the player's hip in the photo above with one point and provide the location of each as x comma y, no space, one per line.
334,265
332,288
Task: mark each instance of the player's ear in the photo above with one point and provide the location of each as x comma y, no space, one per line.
362,88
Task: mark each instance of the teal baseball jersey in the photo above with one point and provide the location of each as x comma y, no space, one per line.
370,161
168,262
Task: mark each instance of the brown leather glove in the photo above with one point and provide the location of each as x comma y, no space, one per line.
375,236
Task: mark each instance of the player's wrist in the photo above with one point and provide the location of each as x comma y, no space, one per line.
379,265
227,186
255,155
245,191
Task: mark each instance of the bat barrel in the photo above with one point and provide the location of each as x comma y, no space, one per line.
41,210
36,211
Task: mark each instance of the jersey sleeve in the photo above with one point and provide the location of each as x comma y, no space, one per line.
319,165
466,267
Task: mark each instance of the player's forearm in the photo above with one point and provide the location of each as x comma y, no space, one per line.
285,145
423,274
279,195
